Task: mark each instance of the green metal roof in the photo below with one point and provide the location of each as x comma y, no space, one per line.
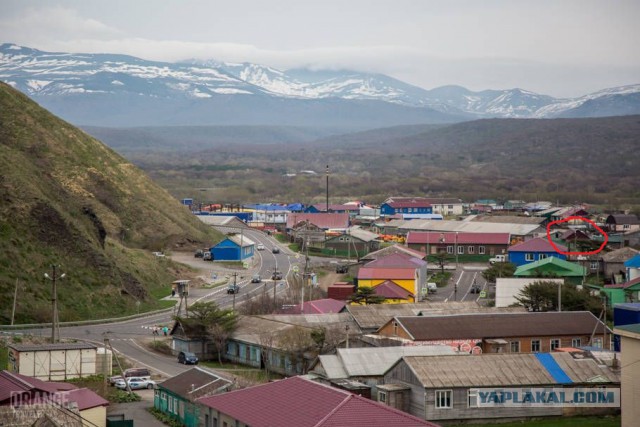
634,328
550,265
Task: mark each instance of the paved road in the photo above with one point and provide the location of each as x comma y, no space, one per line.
459,286
128,337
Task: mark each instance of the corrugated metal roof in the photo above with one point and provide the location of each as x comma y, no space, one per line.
326,221
391,290
552,264
509,219
331,367
52,347
500,370
397,260
620,255
241,240
316,405
254,329
539,244
372,317
417,237
391,250
501,325
386,273
470,227
186,382
376,361
221,220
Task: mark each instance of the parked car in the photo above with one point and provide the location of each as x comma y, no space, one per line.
342,269
475,289
233,289
187,358
207,256
275,250
256,278
432,287
199,253
277,275
498,258
132,372
135,383
260,247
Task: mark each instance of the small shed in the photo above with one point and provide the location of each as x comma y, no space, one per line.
53,362
233,248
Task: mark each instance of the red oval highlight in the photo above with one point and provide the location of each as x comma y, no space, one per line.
572,218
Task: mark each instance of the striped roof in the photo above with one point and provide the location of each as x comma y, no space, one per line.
502,370
434,238
299,402
320,306
539,244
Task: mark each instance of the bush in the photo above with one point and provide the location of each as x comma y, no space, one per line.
164,418
121,396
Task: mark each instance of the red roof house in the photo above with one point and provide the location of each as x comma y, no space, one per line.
325,221
298,402
320,306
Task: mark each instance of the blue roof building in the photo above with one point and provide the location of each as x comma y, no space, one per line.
233,248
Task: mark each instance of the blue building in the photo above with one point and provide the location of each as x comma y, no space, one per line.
534,250
405,207
233,248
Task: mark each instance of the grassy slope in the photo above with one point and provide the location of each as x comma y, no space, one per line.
67,199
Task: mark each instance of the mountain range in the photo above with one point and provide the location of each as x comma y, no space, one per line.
120,90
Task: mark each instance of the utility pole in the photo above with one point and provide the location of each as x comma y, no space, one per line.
327,188
15,297
54,302
235,290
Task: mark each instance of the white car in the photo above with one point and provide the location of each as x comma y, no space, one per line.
260,247
136,383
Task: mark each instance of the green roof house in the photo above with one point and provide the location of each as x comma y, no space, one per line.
552,267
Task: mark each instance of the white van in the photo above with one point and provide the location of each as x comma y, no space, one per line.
432,287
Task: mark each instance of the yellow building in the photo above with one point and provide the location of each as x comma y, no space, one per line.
399,275
630,373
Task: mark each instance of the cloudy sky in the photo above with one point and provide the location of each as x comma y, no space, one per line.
561,48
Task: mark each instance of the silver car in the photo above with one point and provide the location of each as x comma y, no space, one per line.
136,383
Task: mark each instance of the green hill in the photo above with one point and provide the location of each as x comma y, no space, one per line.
67,199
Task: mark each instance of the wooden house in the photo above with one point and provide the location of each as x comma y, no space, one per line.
502,332
499,387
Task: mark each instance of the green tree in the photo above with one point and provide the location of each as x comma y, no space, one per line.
543,296
366,295
441,260
208,322
499,269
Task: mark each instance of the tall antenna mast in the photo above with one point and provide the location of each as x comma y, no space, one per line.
327,188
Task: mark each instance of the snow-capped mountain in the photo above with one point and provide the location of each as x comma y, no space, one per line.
105,89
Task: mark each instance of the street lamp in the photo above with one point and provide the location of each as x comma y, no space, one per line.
456,247
54,302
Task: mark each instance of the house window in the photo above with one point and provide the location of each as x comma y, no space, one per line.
473,398
471,249
449,249
542,256
450,206
576,342
515,346
626,226
443,399
395,328
555,343
460,250
535,346
593,265
597,342
382,397
481,250
529,257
